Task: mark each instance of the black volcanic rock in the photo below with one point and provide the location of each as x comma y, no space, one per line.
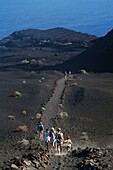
44,47
98,58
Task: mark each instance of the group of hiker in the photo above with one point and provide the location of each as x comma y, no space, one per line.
68,75
53,137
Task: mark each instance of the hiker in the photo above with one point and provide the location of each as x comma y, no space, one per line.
39,117
59,140
53,137
65,74
47,138
68,141
69,74
40,130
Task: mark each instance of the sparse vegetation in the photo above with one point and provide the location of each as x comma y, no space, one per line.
11,117
24,81
24,112
22,128
84,136
84,72
62,115
18,94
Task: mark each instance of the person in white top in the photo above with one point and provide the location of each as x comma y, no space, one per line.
53,137
47,138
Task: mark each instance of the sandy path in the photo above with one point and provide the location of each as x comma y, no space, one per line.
62,161
52,107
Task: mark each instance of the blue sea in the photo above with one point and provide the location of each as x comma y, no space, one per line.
88,16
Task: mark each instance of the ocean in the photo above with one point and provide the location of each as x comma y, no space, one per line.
89,16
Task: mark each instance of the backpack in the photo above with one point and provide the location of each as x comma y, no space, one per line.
40,128
59,137
50,134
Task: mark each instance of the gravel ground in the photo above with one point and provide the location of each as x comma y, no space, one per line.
87,99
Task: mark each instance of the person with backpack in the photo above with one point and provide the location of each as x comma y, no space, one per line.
40,130
47,138
59,140
53,137
39,117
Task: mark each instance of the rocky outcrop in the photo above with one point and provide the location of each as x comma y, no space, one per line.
32,161
93,158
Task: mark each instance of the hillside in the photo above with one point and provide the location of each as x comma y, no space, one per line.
32,49
65,102
75,96
98,58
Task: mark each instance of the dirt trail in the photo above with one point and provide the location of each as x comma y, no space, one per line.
59,162
62,161
52,107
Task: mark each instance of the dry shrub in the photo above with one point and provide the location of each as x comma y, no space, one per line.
24,82
24,112
61,106
32,118
39,62
11,117
23,128
84,133
62,115
18,94
43,108
32,73
84,72
74,84
25,61
42,78
33,61
24,142
84,136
